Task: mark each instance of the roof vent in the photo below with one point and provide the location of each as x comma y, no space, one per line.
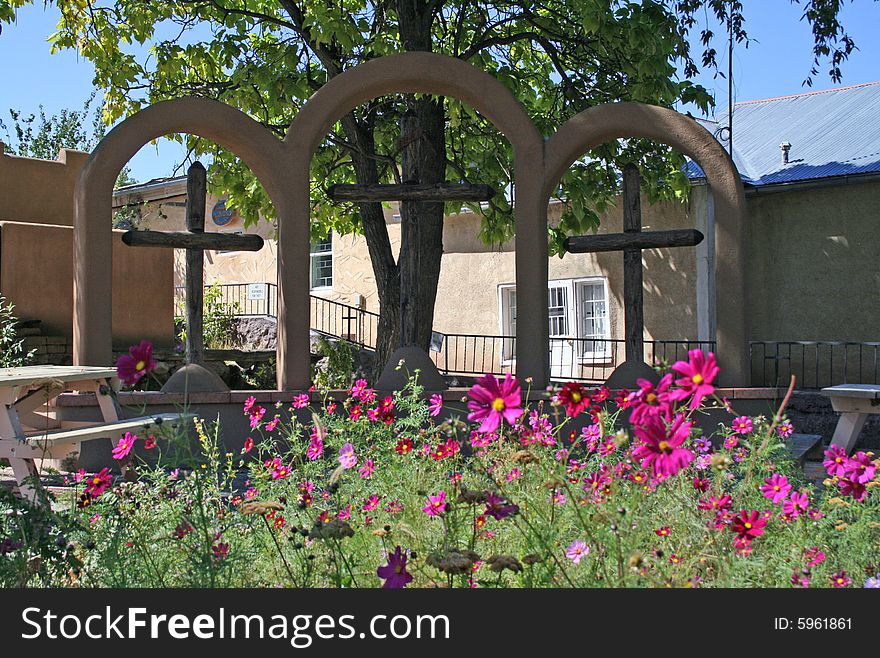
785,147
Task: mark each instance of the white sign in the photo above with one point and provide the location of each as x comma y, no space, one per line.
256,292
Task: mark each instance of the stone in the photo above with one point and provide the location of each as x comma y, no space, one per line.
193,378
628,373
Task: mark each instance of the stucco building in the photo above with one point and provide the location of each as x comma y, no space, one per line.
810,165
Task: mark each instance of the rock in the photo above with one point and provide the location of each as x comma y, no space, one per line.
256,332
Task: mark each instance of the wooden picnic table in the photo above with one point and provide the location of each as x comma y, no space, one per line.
29,433
855,402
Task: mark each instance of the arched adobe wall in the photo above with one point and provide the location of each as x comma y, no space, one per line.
92,286
431,73
604,123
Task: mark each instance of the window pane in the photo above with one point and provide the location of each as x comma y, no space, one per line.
322,271
322,245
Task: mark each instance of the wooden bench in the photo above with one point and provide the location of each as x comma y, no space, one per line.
855,402
58,444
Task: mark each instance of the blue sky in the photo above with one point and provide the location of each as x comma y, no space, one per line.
776,64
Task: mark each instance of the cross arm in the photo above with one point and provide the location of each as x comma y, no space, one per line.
187,240
411,192
684,237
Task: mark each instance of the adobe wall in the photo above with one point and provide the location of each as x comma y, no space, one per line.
33,190
36,275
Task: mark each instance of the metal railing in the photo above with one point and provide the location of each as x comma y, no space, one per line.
354,324
571,359
814,363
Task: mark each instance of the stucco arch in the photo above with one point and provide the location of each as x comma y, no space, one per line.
603,123
92,237
419,72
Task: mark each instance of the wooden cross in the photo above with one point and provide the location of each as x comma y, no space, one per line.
631,242
195,241
410,191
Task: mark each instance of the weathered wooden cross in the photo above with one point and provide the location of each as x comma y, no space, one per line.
195,241
407,192
632,241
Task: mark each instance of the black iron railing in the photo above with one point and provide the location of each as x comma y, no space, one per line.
814,363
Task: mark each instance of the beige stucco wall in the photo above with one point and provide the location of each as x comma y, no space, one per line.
36,276
33,190
36,255
814,264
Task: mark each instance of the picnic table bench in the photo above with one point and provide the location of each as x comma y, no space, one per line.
855,402
28,435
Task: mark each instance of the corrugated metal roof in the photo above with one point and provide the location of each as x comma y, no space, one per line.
832,133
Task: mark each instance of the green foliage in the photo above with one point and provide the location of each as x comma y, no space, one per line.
218,321
12,354
338,371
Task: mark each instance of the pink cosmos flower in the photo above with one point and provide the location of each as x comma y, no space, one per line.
860,468
137,363
574,398
814,556
394,573
492,400
256,416
650,400
721,503
301,401
697,375
150,442
248,445
367,470
272,424
785,429
661,448
347,457
498,508
855,489
97,484
220,551
123,448
316,444
835,461
743,425
776,488
358,388
436,504
577,551
731,442
840,579
249,404
371,503
748,524
796,504
436,404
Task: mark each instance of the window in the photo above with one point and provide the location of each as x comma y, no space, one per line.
321,254
577,311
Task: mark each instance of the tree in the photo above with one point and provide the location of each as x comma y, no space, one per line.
266,57
44,136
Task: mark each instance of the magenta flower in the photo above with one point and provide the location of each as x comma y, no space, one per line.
367,470
855,489
347,457
436,404
814,556
137,363
577,551
785,429
492,400
835,461
301,401
743,425
316,444
497,508
697,375
394,573
436,504
123,448
661,448
748,524
650,400
96,484
776,488
840,579
860,468
796,504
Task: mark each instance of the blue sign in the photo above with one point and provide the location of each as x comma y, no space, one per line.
221,215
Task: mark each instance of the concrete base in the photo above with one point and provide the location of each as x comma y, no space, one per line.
193,378
414,358
628,373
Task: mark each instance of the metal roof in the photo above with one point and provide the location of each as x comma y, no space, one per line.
832,133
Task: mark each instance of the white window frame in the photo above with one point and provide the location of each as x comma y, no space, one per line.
316,254
575,318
